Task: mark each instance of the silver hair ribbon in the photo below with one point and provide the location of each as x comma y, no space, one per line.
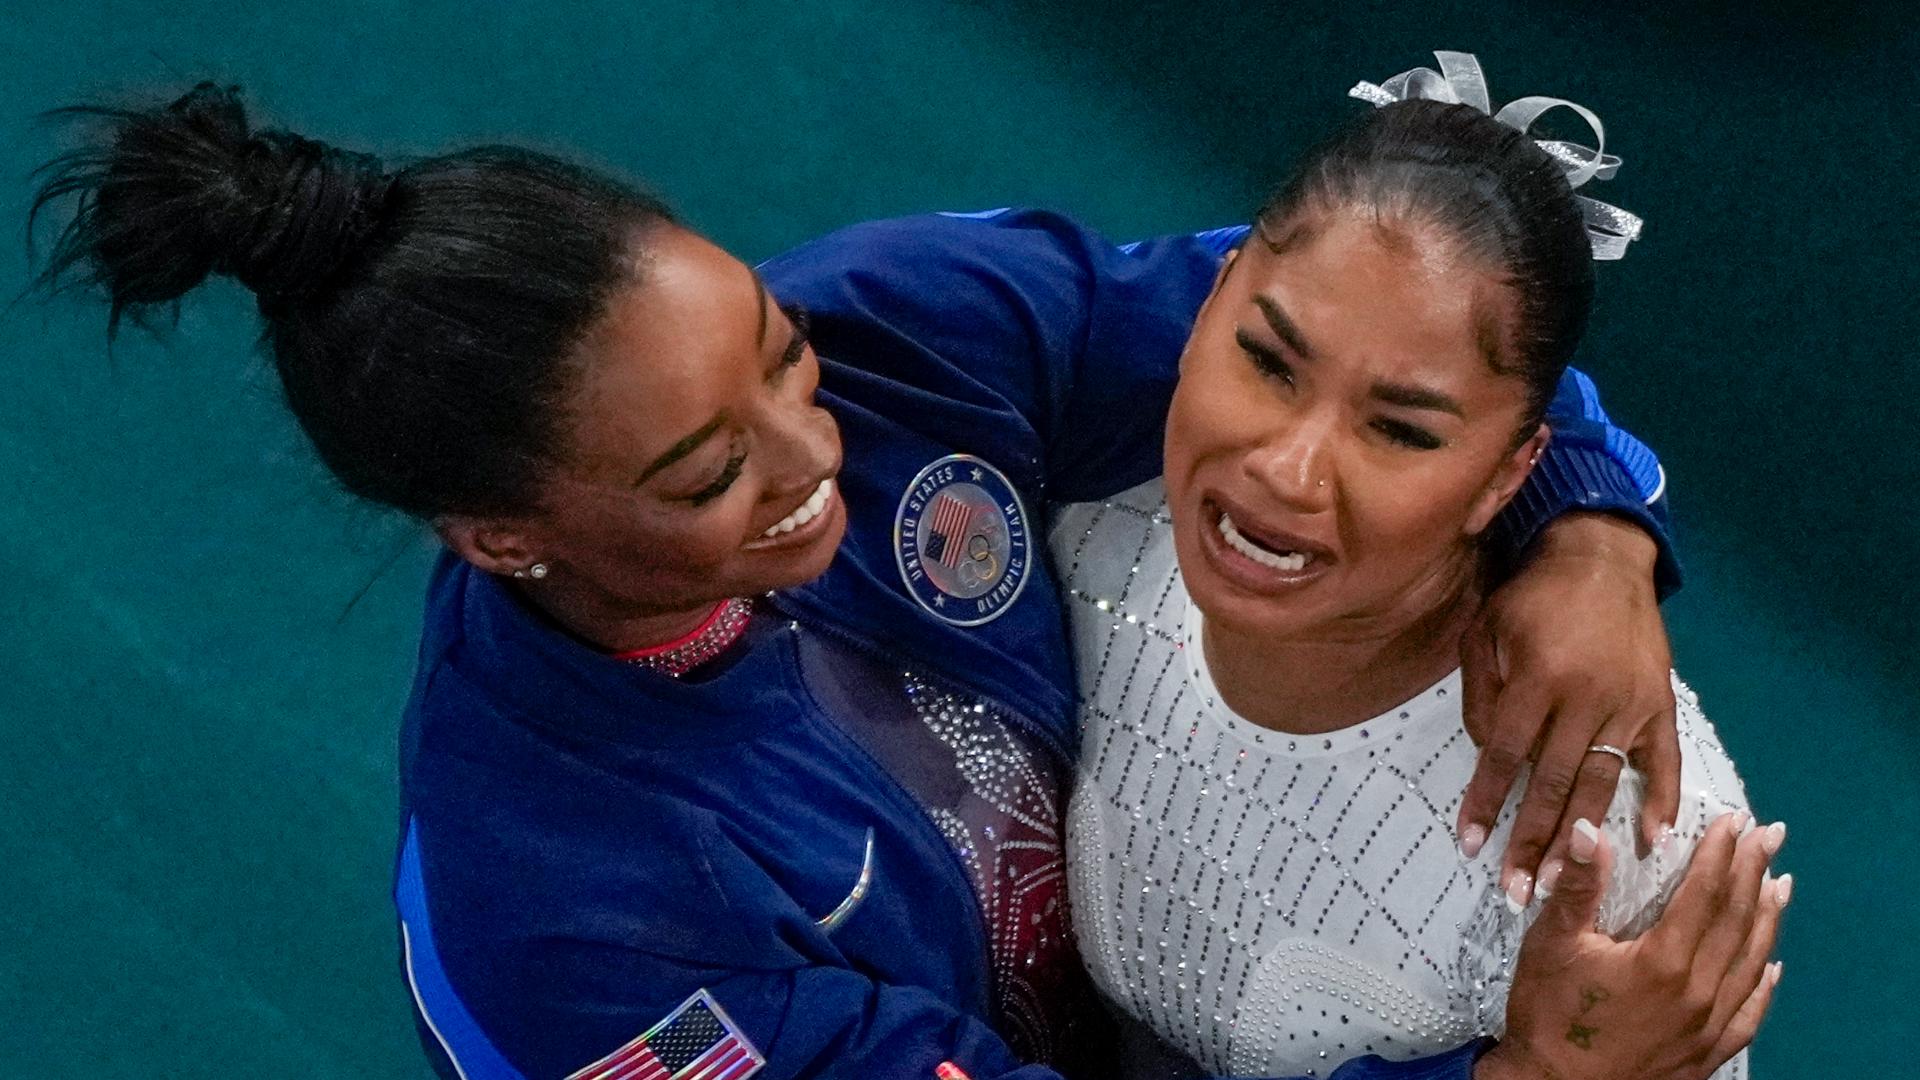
1461,82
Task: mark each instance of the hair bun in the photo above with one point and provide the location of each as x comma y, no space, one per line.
177,193
311,209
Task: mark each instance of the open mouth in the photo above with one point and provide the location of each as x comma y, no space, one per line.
1261,557
1292,561
803,521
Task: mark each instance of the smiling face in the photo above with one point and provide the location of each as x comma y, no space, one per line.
696,465
1340,434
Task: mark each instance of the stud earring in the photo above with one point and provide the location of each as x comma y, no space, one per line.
538,572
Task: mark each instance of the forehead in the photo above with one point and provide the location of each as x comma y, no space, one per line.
1387,293
675,345
687,300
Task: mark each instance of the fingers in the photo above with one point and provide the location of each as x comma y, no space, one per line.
1751,967
1721,945
1518,715
1575,903
1746,1023
1568,783
1676,937
1479,678
1657,754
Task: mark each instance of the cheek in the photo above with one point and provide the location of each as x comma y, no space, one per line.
645,550
1214,408
1405,518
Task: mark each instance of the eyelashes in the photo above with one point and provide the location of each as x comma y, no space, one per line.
1271,364
796,348
795,351
1263,357
721,483
1407,435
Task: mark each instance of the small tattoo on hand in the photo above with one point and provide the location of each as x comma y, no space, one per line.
1581,1036
1591,996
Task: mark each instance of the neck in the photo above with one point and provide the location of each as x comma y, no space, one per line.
1334,677
609,624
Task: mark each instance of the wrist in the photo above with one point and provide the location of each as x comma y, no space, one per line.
1510,1061
1602,537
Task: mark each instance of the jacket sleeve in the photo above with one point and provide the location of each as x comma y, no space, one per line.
1592,466
836,1024
1018,335
825,1023
592,993
1064,348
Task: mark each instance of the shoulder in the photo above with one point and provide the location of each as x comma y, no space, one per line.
1123,597
1707,773
1011,275
1101,547
902,249
1710,786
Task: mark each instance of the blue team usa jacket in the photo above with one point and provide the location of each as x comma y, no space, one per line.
601,864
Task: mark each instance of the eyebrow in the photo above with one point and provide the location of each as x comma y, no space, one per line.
1298,231
760,294
1403,394
1416,397
1283,326
682,448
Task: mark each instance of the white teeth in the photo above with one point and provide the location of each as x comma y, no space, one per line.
1292,562
806,512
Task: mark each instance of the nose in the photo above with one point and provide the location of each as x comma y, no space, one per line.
1297,465
804,444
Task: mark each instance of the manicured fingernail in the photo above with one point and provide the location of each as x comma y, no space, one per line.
1776,835
1472,838
1740,823
1549,874
1586,840
1783,889
1519,891
1775,970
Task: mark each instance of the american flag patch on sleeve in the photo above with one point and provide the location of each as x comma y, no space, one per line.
696,1041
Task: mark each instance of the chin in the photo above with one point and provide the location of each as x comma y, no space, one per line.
1248,615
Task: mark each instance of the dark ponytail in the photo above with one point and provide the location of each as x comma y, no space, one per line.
1501,197
420,319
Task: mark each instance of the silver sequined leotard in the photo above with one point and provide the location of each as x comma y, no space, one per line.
1275,904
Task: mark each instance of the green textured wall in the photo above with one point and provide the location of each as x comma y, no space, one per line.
196,788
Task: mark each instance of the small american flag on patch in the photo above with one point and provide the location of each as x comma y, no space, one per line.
951,517
697,1041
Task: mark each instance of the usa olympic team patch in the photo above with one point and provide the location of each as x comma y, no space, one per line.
960,537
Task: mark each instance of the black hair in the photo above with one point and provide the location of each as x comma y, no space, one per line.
1504,200
421,320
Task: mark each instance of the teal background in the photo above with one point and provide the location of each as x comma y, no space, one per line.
197,784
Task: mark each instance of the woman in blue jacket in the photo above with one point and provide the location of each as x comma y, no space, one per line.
742,708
